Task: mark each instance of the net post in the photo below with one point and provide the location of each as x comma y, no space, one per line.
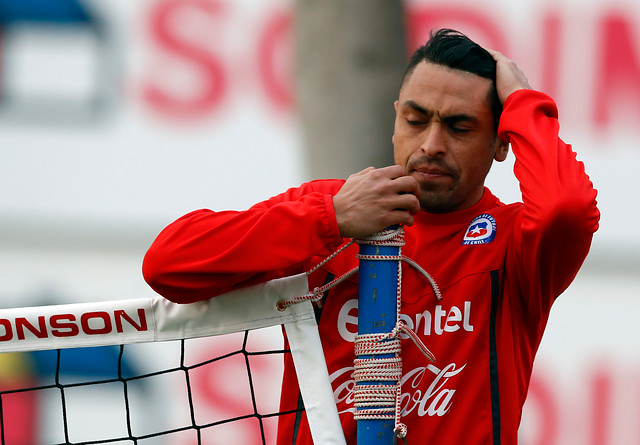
377,313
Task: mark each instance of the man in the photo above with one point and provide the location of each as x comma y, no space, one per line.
499,267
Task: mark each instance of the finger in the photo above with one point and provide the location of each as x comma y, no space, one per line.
497,55
409,203
406,184
400,217
363,172
392,171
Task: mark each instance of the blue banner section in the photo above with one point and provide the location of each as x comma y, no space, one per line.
43,11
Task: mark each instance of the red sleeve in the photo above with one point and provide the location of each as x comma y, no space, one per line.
206,253
559,217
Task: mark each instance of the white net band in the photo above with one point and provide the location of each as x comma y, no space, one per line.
149,319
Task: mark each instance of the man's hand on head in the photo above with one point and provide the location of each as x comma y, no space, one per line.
509,77
374,199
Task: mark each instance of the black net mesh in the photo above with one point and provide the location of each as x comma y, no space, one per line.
208,391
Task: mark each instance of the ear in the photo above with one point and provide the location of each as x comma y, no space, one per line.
502,149
393,137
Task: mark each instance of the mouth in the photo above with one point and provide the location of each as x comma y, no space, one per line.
430,173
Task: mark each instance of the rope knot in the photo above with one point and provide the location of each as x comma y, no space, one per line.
378,365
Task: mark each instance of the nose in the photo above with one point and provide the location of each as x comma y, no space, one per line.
434,144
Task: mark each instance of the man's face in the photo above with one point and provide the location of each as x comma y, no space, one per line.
444,135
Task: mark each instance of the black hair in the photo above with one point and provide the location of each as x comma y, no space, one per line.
454,50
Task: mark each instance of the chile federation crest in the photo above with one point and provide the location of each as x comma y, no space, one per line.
482,230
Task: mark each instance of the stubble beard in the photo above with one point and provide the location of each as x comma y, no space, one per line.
437,200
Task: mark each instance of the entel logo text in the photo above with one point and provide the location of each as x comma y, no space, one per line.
438,322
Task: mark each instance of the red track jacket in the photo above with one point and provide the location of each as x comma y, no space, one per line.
499,267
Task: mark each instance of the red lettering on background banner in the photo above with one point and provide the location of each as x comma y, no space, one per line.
617,68
479,24
551,35
585,410
600,422
613,91
167,31
20,409
275,60
228,387
541,398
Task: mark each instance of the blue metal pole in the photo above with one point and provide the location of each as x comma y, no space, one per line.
377,307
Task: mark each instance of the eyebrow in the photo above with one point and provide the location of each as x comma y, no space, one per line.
451,119
416,107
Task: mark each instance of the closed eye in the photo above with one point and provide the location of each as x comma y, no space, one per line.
460,124
460,130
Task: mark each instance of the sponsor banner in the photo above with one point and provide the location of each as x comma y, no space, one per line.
73,325
152,319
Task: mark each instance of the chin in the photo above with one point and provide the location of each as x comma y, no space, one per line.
436,202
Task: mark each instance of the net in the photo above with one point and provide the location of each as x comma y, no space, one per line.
151,372
119,403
